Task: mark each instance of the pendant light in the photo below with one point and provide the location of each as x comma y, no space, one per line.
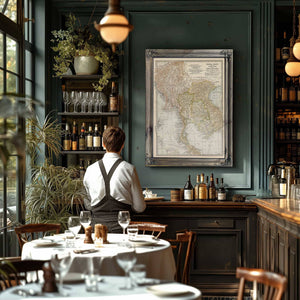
292,67
296,48
114,26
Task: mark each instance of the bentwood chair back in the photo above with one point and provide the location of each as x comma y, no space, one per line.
183,245
29,232
14,273
156,229
274,284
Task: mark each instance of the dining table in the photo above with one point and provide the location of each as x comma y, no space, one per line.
155,254
108,287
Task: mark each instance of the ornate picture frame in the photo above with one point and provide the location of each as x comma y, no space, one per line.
189,107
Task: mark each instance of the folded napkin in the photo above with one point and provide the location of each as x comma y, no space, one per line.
85,251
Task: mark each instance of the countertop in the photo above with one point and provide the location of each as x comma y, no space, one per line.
287,209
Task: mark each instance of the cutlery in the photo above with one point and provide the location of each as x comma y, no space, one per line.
85,251
26,293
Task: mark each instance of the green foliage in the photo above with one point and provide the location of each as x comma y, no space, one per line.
78,40
53,193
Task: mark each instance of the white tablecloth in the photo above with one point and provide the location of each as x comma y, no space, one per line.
158,258
108,289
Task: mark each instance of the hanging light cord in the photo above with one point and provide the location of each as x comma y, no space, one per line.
294,18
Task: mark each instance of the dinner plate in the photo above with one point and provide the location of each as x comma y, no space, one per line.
144,240
73,278
169,289
45,242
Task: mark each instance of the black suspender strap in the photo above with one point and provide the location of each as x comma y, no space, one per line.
110,173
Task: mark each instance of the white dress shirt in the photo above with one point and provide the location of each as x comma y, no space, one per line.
124,184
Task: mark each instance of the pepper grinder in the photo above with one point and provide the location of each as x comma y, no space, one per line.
49,279
88,235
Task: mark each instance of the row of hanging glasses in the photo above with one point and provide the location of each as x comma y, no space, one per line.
84,102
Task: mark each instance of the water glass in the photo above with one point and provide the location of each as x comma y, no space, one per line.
91,282
124,219
132,231
138,274
85,218
70,239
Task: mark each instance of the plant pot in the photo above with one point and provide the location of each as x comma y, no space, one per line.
86,65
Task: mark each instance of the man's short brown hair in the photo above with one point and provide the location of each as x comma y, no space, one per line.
113,138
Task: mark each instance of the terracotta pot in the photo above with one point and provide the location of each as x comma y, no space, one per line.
86,65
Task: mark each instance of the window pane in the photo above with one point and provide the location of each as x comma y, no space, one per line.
9,9
1,82
1,50
12,83
11,55
28,64
28,88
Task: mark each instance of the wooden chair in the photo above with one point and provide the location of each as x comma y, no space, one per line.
274,284
183,246
154,228
29,232
13,273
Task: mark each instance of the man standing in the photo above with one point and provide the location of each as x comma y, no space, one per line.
112,184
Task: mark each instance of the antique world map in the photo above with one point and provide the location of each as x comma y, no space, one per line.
188,107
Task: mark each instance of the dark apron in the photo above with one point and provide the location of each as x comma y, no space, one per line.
106,211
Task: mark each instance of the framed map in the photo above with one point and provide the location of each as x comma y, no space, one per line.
189,107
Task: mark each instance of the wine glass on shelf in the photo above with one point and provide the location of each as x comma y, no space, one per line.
66,99
85,218
74,225
60,263
124,219
126,260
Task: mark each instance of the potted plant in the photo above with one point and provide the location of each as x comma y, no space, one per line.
76,47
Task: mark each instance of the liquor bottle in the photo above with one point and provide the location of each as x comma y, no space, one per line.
285,49
105,126
196,188
188,190
202,189
294,129
287,130
292,91
283,89
298,130
277,48
297,82
212,189
89,162
113,98
74,137
82,140
217,187
97,140
67,140
89,138
207,187
81,169
276,89
221,191
282,184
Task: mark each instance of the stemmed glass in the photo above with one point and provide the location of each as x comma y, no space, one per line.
124,219
74,225
66,99
126,260
103,101
85,218
60,263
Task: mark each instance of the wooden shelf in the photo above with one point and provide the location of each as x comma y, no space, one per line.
287,142
287,105
91,114
85,77
86,152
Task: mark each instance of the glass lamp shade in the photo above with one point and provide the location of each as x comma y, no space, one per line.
292,68
114,28
296,49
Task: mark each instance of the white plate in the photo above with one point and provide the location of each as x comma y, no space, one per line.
144,240
44,243
74,278
169,289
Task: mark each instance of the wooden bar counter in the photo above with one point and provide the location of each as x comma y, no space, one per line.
279,240
226,238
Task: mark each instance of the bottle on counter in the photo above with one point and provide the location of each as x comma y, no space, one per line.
221,191
202,189
217,187
97,139
113,98
105,126
89,138
188,191
74,137
67,139
212,189
82,140
196,188
81,169
207,187
282,183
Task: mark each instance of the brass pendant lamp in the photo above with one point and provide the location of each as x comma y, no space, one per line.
114,26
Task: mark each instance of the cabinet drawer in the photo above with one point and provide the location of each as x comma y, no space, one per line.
213,223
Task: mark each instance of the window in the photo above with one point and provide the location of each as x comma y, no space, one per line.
16,76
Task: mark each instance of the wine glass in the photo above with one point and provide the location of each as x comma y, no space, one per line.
60,263
74,225
85,218
126,260
124,219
